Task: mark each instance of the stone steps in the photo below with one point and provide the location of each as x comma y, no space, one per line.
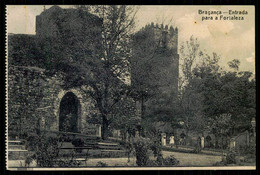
97,153
93,148
18,154
16,142
108,143
16,147
107,147
70,135
17,150
93,145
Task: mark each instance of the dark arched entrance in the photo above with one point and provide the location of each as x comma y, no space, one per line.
69,113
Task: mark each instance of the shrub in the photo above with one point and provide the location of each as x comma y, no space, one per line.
78,143
142,146
47,152
249,153
221,163
196,150
152,163
247,150
231,157
101,164
156,147
65,138
68,163
32,142
170,161
28,160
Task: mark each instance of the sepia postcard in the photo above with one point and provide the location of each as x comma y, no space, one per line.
123,87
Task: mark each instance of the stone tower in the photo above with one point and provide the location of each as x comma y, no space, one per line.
155,62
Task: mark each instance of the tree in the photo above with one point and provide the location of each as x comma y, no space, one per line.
232,93
238,95
154,69
111,69
221,126
125,116
190,53
189,97
234,64
208,92
144,70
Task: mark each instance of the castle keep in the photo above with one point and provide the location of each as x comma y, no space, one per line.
155,63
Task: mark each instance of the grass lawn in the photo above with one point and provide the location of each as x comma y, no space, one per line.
186,159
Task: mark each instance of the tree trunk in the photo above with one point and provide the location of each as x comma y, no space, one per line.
105,131
139,128
142,107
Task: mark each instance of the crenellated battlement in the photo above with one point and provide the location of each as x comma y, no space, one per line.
165,28
166,35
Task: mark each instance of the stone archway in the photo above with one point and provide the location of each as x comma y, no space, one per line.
85,106
69,113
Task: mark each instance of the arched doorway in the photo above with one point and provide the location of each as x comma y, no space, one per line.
69,113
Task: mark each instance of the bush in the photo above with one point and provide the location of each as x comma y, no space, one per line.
32,142
152,163
78,143
142,146
156,147
221,163
101,164
231,157
65,138
170,161
196,150
249,153
247,150
47,152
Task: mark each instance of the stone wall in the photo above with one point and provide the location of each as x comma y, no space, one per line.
26,89
34,101
35,85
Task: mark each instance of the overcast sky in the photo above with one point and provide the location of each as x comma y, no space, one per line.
232,39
